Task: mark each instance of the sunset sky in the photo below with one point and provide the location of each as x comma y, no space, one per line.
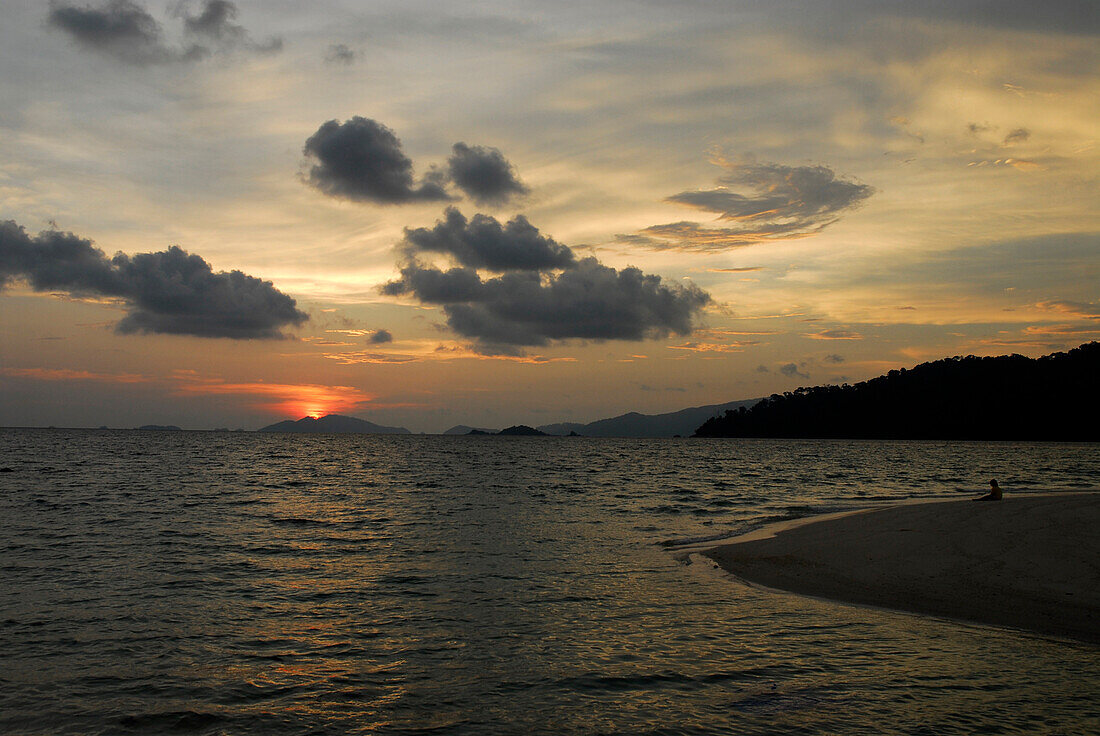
223,214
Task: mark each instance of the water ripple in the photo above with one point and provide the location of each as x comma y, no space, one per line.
242,583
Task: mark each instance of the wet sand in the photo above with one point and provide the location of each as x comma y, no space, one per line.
1029,562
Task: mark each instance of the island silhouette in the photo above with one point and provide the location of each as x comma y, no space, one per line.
332,424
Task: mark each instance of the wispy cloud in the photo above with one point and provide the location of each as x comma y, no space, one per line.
715,347
762,202
67,374
339,53
835,335
1082,310
477,352
366,357
1068,330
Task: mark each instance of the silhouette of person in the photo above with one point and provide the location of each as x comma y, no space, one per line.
994,494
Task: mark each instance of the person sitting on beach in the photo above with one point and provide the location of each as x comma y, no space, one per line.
994,492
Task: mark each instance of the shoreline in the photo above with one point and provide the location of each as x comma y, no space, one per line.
1028,562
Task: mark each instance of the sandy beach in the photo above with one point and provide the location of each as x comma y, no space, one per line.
1030,562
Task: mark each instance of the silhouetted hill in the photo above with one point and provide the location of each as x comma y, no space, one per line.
633,424
562,428
521,430
161,427
463,429
332,424
1056,397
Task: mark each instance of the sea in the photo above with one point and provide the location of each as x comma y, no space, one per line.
245,583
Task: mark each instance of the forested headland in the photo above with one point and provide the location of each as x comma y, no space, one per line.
1009,397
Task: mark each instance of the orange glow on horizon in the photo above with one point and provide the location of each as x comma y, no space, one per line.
293,400
300,409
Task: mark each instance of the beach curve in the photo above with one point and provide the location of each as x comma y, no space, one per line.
1028,562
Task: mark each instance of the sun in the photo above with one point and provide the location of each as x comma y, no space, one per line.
313,409
299,408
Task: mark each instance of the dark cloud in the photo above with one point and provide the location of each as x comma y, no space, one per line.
589,301
168,292
125,30
1019,135
120,28
484,174
791,370
763,369
339,53
483,242
362,160
379,337
55,260
1060,16
834,358
434,286
783,202
216,22
544,293
215,25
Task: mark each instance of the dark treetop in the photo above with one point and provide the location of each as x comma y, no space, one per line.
1010,397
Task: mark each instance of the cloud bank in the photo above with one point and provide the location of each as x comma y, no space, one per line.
783,202
362,160
544,293
168,292
125,31
484,174
484,243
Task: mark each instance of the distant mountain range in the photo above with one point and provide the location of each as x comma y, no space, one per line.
633,424
683,422
519,430
1010,397
464,429
332,424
